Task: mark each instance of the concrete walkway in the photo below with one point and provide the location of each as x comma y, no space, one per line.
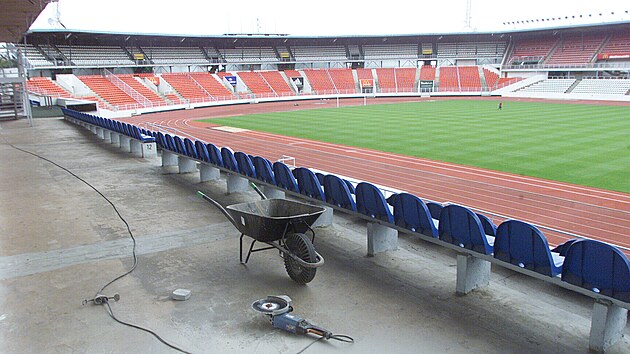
60,242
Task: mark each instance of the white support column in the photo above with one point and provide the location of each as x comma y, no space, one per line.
114,138
149,150
100,132
107,135
273,193
168,158
92,128
472,273
381,238
125,143
208,173
186,165
607,325
236,183
135,147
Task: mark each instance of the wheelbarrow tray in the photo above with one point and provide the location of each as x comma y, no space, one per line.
270,219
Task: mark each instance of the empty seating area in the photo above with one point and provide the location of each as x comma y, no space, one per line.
256,84
321,82
405,79
343,80
386,80
448,79
549,85
212,86
364,74
175,55
471,50
277,83
187,87
248,55
391,51
147,93
603,86
108,91
619,43
535,50
34,56
492,78
95,56
576,49
45,86
469,79
323,53
427,73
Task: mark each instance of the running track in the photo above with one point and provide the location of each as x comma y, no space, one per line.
585,211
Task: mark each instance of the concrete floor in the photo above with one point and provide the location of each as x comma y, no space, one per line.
61,241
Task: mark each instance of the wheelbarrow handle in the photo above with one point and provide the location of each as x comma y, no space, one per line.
219,206
260,193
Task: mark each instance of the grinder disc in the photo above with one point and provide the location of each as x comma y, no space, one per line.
272,305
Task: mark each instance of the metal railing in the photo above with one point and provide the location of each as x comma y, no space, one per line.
126,88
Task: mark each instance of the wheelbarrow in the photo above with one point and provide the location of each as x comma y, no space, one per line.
282,225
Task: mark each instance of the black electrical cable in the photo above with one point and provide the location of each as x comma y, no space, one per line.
340,337
135,257
111,314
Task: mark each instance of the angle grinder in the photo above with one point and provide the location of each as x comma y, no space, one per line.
277,309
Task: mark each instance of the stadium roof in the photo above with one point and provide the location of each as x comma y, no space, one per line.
326,17
83,37
17,16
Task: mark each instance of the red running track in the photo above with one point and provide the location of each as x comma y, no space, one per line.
584,211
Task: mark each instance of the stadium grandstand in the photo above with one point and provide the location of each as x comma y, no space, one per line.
461,258
223,69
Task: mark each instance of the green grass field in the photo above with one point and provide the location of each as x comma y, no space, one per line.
576,143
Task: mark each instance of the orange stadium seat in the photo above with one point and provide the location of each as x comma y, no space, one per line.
277,83
256,84
107,90
212,86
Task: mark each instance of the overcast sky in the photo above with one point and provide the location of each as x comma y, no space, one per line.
324,17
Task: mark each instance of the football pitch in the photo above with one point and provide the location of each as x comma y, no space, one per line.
576,143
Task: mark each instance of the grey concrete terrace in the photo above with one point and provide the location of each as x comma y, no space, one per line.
61,242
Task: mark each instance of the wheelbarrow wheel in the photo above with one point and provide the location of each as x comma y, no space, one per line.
301,246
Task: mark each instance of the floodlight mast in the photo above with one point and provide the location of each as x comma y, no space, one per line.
467,20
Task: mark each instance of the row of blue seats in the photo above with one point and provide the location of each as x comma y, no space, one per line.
129,130
586,263
590,264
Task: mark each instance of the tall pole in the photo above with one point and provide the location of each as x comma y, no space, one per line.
467,21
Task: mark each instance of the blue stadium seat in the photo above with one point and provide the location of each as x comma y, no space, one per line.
435,209
337,193
460,226
599,267
202,151
161,140
371,202
320,177
351,187
191,150
308,183
284,177
488,226
245,165
523,244
179,146
170,142
215,155
264,170
229,161
411,213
